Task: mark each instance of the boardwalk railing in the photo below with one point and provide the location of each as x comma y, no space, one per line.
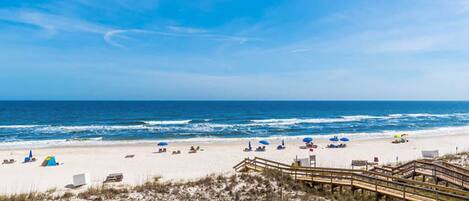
450,173
377,182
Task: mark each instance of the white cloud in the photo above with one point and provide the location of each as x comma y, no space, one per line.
50,23
111,35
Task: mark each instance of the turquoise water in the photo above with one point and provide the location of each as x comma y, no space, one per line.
25,121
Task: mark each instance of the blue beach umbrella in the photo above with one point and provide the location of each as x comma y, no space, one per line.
161,144
334,139
30,153
264,142
344,139
307,139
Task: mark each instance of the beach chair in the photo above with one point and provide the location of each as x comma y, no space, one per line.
177,152
130,156
280,147
193,150
5,161
115,177
247,149
332,146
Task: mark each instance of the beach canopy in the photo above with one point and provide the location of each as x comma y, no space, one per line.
264,142
307,139
162,144
344,139
334,139
49,161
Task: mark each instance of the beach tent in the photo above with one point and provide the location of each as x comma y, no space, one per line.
307,139
49,161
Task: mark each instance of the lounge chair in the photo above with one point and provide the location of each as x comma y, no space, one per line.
280,147
11,161
332,146
177,152
116,177
247,149
260,149
193,150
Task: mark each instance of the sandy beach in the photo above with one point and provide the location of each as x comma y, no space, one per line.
217,157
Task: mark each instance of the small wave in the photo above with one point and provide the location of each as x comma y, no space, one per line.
18,126
85,139
170,122
274,122
429,115
70,129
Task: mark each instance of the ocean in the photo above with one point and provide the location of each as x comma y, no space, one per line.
36,122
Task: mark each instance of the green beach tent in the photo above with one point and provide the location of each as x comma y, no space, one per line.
49,161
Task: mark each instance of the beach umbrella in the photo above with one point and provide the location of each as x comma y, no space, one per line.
264,142
307,139
344,139
161,144
30,153
249,145
334,139
283,142
397,136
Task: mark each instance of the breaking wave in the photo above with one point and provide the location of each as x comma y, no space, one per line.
170,122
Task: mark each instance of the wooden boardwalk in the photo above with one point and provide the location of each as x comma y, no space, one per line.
381,183
439,171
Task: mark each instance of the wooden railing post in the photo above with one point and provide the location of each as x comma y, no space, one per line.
404,193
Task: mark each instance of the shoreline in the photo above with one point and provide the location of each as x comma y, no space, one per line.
64,143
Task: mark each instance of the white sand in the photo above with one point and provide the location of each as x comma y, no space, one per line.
217,157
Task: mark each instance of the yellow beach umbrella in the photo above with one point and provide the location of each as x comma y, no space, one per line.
397,136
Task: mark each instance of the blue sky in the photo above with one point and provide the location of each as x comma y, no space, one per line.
248,50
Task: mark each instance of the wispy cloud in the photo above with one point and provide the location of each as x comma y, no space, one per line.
50,22
111,36
188,30
56,23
